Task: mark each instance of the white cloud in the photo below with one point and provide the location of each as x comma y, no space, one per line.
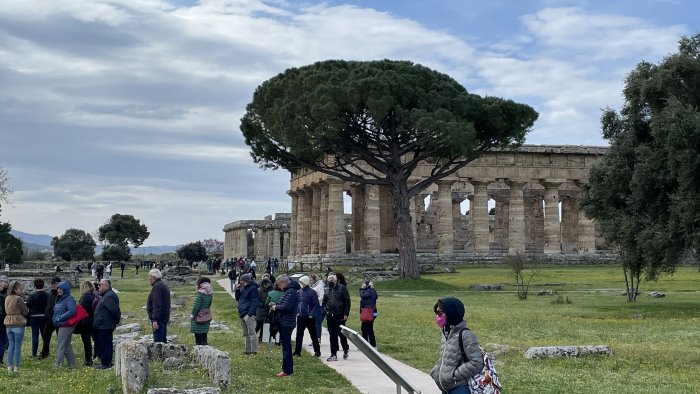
602,36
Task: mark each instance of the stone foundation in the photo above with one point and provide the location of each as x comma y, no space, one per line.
567,351
216,362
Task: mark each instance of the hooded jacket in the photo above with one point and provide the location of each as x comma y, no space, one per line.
65,306
451,371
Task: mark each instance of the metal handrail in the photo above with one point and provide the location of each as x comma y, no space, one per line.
378,360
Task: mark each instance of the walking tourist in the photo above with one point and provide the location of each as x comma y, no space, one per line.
62,311
306,319
320,289
336,301
287,310
368,308
247,295
16,314
451,372
85,327
37,306
107,316
158,305
49,327
263,308
202,303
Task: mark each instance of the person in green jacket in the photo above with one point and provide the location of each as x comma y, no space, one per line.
202,300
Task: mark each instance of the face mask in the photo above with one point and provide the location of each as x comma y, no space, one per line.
441,320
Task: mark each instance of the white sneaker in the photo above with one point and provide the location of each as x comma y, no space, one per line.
9,368
16,368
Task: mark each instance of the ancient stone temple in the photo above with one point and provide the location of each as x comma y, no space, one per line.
258,238
531,192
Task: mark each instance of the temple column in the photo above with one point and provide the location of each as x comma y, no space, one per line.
301,218
336,218
323,221
315,217
286,243
372,222
276,249
259,244
358,217
445,235
586,234
243,241
293,223
552,227
308,219
479,216
516,218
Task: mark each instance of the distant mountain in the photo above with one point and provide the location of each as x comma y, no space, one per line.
38,239
41,242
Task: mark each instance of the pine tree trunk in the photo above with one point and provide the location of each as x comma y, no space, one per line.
408,261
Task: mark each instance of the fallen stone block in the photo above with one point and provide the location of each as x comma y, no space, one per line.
216,362
485,287
132,366
172,363
567,351
200,390
657,294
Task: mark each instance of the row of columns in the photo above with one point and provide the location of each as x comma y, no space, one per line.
527,218
318,220
266,242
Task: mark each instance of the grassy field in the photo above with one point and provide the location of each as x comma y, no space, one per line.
654,341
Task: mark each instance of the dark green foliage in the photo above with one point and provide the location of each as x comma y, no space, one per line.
119,232
373,122
116,253
74,244
193,251
10,246
644,192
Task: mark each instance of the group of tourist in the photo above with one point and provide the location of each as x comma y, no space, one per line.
46,312
286,304
94,316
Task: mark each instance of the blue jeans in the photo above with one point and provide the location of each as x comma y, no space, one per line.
460,390
15,335
286,341
160,335
37,323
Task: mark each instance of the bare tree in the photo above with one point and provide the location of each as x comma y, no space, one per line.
524,271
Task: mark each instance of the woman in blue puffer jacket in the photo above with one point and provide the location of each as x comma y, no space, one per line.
62,311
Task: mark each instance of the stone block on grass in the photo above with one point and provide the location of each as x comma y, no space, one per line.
567,351
216,362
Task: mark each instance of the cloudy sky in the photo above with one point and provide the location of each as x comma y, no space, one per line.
133,106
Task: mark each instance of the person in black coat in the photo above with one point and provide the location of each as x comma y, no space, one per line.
105,319
306,319
158,306
84,328
49,328
287,309
336,301
37,307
